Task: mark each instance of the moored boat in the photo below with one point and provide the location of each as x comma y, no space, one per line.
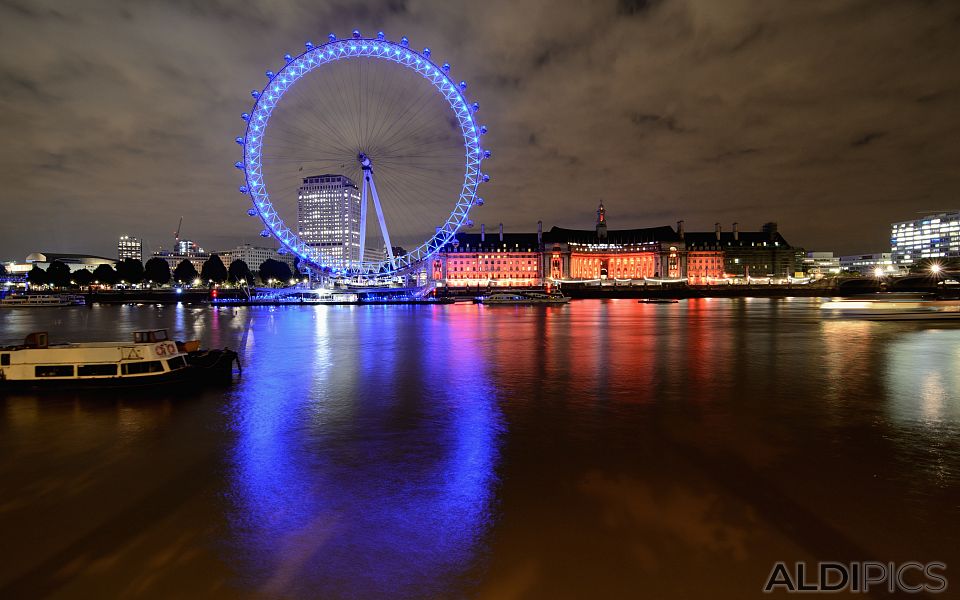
40,300
150,359
516,298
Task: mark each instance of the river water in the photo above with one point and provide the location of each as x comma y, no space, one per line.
603,449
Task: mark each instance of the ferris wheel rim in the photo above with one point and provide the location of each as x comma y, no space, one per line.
267,99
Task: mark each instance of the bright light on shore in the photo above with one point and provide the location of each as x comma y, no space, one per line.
935,268
878,272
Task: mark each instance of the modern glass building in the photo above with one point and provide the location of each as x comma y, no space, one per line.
328,217
867,264
933,236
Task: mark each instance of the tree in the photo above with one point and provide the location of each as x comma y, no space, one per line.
274,269
240,271
157,271
58,274
37,276
3,270
130,270
105,274
185,272
213,270
83,277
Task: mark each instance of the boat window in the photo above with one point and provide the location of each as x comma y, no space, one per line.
4,360
97,370
159,335
53,371
176,362
137,368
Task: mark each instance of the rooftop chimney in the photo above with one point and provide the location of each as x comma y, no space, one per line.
483,232
716,229
680,229
736,231
501,232
770,229
539,232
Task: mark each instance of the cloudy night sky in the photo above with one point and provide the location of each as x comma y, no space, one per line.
833,118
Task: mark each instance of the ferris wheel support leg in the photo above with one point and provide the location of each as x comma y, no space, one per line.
383,224
363,217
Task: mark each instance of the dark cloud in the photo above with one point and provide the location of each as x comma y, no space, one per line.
118,116
867,138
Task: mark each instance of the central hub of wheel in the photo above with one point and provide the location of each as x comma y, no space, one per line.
365,163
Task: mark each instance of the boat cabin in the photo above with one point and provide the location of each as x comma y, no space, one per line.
150,336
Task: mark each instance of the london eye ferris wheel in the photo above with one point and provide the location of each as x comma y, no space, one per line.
357,122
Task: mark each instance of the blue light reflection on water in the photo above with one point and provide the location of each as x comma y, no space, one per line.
334,490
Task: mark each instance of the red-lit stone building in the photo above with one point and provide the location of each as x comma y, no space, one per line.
482,260
655,254
599,253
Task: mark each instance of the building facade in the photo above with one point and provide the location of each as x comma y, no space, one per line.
174,259
603,253
253,256
821,264
189,248
496,260
933,236
328,217
747,254
129,247
655,254
75,262
867,264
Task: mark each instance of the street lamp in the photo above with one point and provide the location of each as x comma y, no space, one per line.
878,272
935,268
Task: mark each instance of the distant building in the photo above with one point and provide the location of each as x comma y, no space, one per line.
129,247
762,253
253,256
74,261
821,264
189,248
196,259
867,264
933,236
328,217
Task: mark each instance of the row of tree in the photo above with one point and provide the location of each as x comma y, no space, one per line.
157,272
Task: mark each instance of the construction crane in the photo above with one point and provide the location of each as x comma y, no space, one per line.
176,236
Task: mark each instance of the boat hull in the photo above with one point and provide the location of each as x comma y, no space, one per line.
184,376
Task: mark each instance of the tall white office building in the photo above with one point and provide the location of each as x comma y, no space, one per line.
328,217
933,236
129,247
